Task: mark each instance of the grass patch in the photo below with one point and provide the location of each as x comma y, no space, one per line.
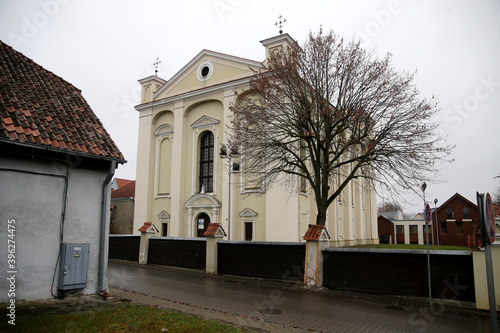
414,247
122,318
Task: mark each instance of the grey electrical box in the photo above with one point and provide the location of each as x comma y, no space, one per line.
74,266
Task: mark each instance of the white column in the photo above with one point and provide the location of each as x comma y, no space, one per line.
407,233
177,175
421,234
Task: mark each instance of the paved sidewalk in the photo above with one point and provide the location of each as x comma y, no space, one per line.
224,317
276,307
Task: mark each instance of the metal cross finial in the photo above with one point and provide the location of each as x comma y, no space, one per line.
280,23
156,63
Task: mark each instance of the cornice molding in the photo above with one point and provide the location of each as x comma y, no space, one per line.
194,94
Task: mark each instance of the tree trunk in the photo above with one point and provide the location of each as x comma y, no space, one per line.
321,218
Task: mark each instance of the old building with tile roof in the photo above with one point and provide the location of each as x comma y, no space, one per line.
122,207
39,108
56,165
125,191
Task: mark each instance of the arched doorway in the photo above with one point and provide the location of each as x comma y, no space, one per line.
202,222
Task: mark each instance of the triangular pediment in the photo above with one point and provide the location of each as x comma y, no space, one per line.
204,121
164,215
247,212
207,69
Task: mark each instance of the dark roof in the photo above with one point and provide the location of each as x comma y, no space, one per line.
39,108
126,191
456,195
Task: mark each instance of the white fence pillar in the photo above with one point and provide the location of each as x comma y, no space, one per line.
316,239
147,230
214,234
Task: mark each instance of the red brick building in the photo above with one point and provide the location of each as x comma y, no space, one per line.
456,220
385,230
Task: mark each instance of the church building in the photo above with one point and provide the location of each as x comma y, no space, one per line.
182,184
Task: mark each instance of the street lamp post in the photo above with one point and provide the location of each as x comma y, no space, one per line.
424,186
233,152
437,226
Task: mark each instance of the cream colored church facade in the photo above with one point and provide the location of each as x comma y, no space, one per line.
182,183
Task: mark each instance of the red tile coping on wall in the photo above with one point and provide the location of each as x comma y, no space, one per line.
315,232
214,229
147,227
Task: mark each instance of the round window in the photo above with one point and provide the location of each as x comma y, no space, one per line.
205,71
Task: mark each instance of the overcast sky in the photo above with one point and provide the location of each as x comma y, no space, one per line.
104,47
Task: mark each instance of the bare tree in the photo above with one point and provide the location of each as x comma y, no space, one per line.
496,196
330,113
389,207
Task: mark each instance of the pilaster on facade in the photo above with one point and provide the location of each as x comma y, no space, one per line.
177,172
373,234
144,173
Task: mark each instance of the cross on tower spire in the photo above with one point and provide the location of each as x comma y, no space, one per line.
156,63
281,21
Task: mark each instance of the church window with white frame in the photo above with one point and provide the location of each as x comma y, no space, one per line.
206,162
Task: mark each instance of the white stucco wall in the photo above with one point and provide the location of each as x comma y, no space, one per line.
34,199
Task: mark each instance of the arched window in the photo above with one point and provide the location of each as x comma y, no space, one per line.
207,162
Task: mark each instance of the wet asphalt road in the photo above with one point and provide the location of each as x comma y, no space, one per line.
287,304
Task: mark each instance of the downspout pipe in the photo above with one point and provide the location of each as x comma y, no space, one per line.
103,258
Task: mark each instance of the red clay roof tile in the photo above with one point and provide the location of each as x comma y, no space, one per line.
122,182
145,227
148,226
38,105
125,191
315,232
214,229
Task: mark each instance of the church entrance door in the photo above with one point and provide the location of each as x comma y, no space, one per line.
202,223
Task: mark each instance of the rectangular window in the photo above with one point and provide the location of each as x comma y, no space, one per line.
248,231
164,229
207,162
400,229
443,228
466,212
460,228
413,229
451,214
